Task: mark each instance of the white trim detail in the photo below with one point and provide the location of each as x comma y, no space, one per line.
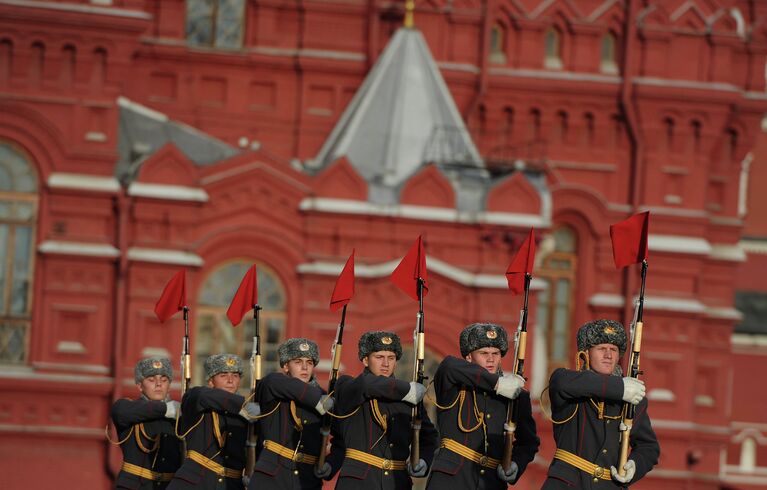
725,313
426,213
661,395
83,182
163,256
667,82
78,248
383,269
691,426
116,12
748,340
607,299
753,246
734,253
679,244
651,303
167,192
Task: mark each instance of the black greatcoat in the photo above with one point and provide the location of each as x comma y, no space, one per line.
575,398
197,408
275,393
361,431
451,470
144,420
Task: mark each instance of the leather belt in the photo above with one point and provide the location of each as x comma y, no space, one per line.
216,468
146,473
367,458
469,453
582,464
290,454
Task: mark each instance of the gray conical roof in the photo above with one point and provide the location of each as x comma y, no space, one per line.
402,117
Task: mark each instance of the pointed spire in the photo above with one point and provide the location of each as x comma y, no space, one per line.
409,8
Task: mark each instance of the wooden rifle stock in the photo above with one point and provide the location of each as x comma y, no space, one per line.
255,375
336,363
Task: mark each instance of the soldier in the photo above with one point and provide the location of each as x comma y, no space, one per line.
289,429
472,398
374,411
586,407
151,451
214,420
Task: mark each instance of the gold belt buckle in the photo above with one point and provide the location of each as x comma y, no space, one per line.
387,464
598,472
299,457
483,460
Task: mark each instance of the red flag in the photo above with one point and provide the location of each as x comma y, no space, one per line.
173,297
245,298
521,264
344,289
413,266
630,239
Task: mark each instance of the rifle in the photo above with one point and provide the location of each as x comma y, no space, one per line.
418,376
519,368
186,372
627,421
255,375
327,419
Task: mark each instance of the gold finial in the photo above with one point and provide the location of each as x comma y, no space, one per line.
409,8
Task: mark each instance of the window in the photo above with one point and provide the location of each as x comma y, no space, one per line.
215,23
215,334
552,43
608,62
18,215
555,303
748,455
497,45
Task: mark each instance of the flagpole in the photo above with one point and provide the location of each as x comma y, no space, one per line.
185,359
335,367
418,377
255,375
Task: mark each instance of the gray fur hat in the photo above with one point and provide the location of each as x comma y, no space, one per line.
298,347
480,335
222,363
602,332
377,341
152,366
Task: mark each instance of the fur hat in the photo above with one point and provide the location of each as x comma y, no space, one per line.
298,347
602,332
479,335
377,341
222,363
152,366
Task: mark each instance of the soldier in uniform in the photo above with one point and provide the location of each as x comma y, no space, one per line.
472,399
289,429
586,406
214,423
374,411
151,451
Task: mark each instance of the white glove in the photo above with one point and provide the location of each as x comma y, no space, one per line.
510,385
419,471
416,393
172,409
245,481
508,476
630,468
250,411
325,404
633,390
324,472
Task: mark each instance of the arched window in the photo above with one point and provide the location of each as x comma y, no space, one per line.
748,455
553,46
562,126
588,130
535,124
6,60
497,45
37,60
608,62
215,23
732,144
697,130
18,216
508,124
555,303
99,75
216,335
68,60
668,126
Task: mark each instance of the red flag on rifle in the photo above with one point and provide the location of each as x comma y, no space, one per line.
173,297
521,264
344,289
412,266
630,240
245,298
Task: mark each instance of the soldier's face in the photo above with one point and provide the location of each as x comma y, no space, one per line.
603,358
381,363
225,381
487,357
301,368
155,387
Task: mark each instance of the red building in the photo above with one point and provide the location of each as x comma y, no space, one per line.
138,137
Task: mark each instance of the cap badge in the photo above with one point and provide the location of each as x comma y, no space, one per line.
303,347
386,340
157,364
609,330
491,334
231,361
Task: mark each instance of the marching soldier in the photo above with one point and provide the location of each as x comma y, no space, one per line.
586,405
472,398
214,420
374,411
151,451
289,429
